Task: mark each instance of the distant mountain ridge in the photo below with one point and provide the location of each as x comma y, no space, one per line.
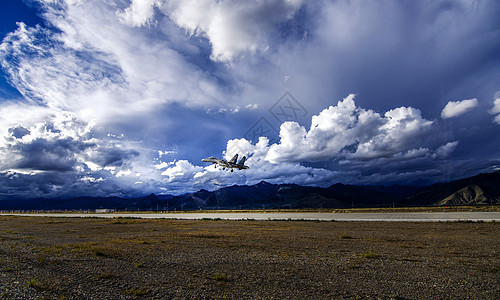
483,189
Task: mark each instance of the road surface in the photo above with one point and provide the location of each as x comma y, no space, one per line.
388,217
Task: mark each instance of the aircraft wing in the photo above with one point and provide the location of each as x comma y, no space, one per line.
216,161
224,163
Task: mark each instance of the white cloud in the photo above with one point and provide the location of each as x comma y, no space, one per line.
457,108
139,12
180,170
162,165
446,149
123,173
232,27
100,68
496,109
348,131
91,179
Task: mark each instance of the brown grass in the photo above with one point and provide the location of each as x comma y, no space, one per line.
99,258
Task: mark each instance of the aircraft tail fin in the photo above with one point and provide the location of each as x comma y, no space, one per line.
234,159
241,163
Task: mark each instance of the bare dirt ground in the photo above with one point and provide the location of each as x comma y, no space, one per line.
74,258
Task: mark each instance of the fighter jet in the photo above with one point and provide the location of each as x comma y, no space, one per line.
230,165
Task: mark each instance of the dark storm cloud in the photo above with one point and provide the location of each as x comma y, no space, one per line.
64,154
14,185
421,54
112,156
59,155
46,155
18,131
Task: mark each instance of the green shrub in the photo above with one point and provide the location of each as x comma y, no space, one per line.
137,291
220,277
344,235
369,254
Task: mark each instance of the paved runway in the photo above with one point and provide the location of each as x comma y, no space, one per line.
387,217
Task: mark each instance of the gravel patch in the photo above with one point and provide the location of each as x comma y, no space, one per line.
56,258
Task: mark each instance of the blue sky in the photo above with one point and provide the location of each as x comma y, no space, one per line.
124,98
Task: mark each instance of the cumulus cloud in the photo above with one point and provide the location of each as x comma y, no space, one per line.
345,130
180,170
457,108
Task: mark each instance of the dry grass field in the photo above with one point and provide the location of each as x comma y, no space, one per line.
73,258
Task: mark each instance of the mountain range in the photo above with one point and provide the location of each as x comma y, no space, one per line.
483,189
